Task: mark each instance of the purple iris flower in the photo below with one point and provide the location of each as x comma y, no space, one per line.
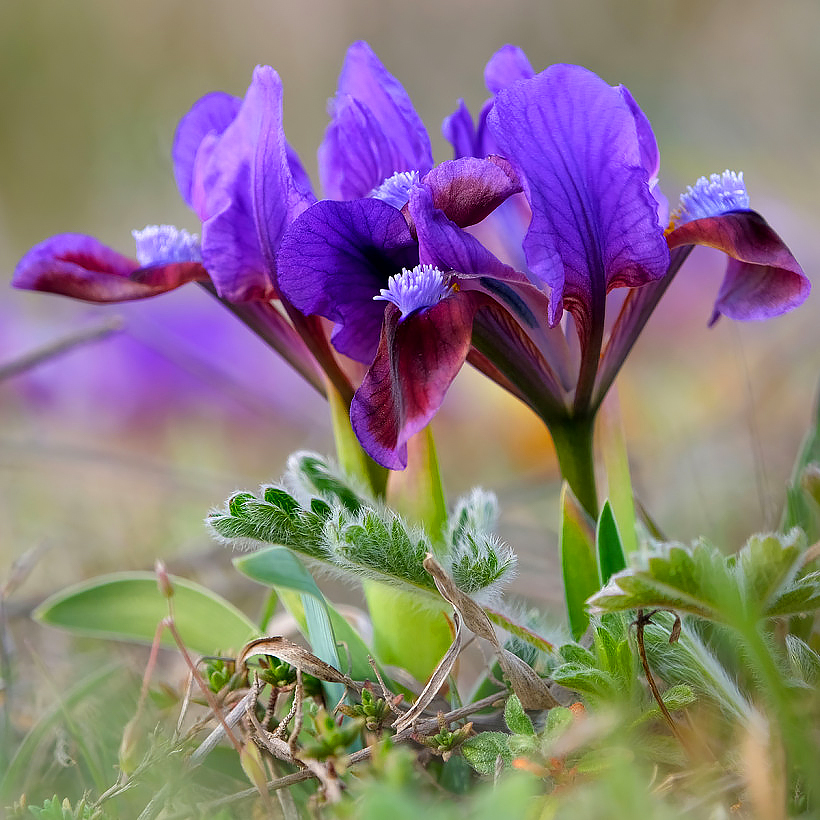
588,162
235,169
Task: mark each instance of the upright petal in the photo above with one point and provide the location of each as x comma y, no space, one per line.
336,257
251,195
594,227
83,268
211,114
460,131
374,131
508,65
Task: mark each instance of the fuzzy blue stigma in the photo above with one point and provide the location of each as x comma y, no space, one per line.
711,196
395,190
165,245
412,290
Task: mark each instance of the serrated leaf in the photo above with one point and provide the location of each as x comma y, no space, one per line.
128,606
517,720
678,697
482,751
579,566
585,680
608,542
754,583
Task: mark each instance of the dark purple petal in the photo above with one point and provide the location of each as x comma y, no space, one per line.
336,257
416,362
508,65
573,140
83,268
212,114
372,115
251,195
467,190
762,279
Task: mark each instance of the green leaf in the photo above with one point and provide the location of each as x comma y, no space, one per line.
482,751
798,598
757,582
616,464
278,567
128,606
578,563
802,509
32,749
608,540
517,720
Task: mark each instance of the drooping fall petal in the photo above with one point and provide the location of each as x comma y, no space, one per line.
336,257
83,268
467,190
417,359
762,278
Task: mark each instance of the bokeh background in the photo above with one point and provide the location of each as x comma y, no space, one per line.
111,455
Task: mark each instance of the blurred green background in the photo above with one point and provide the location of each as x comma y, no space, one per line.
91,92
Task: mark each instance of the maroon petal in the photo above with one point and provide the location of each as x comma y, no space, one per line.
467,190
83,268
762,279
417,360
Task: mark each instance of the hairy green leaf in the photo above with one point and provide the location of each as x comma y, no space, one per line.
517,720
757,582
482,751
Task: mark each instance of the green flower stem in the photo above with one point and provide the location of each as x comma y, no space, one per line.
417,492
352,459
573,445
405,633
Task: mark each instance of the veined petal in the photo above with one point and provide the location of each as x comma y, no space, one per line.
211,114
372,115
648,145
762,278
469,189
251,195
447,247
83,268
336,257
574,141
417,360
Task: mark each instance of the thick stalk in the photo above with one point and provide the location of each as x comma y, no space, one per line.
573,445
352,459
